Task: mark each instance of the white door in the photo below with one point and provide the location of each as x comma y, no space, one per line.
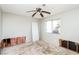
35,32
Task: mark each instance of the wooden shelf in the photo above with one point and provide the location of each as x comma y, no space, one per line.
12,41
69,45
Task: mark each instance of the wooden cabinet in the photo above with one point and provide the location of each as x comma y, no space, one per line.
64,43
78,48
0,43
6,42
69,45
12,41
21,40
72,46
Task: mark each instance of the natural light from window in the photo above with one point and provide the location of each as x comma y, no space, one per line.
53,26
49,26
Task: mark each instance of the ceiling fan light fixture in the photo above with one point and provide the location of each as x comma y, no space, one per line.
40,11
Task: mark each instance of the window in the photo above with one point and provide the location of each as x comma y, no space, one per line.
49,26
56,26
53,26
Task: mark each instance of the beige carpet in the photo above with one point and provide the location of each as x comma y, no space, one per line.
37,48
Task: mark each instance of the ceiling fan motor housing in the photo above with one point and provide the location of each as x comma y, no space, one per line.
38,9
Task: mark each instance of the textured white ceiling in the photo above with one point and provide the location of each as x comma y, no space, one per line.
20,9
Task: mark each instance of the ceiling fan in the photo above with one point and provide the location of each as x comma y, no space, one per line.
40,11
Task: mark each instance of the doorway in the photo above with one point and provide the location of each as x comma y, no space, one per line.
35,31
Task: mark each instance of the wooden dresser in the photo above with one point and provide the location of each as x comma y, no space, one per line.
74,46
7,42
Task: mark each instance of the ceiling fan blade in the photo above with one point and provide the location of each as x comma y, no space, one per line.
41,14
34,14
46,12
31,11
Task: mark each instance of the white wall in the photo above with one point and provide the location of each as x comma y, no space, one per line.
70,25
16,25
0,23
69,28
